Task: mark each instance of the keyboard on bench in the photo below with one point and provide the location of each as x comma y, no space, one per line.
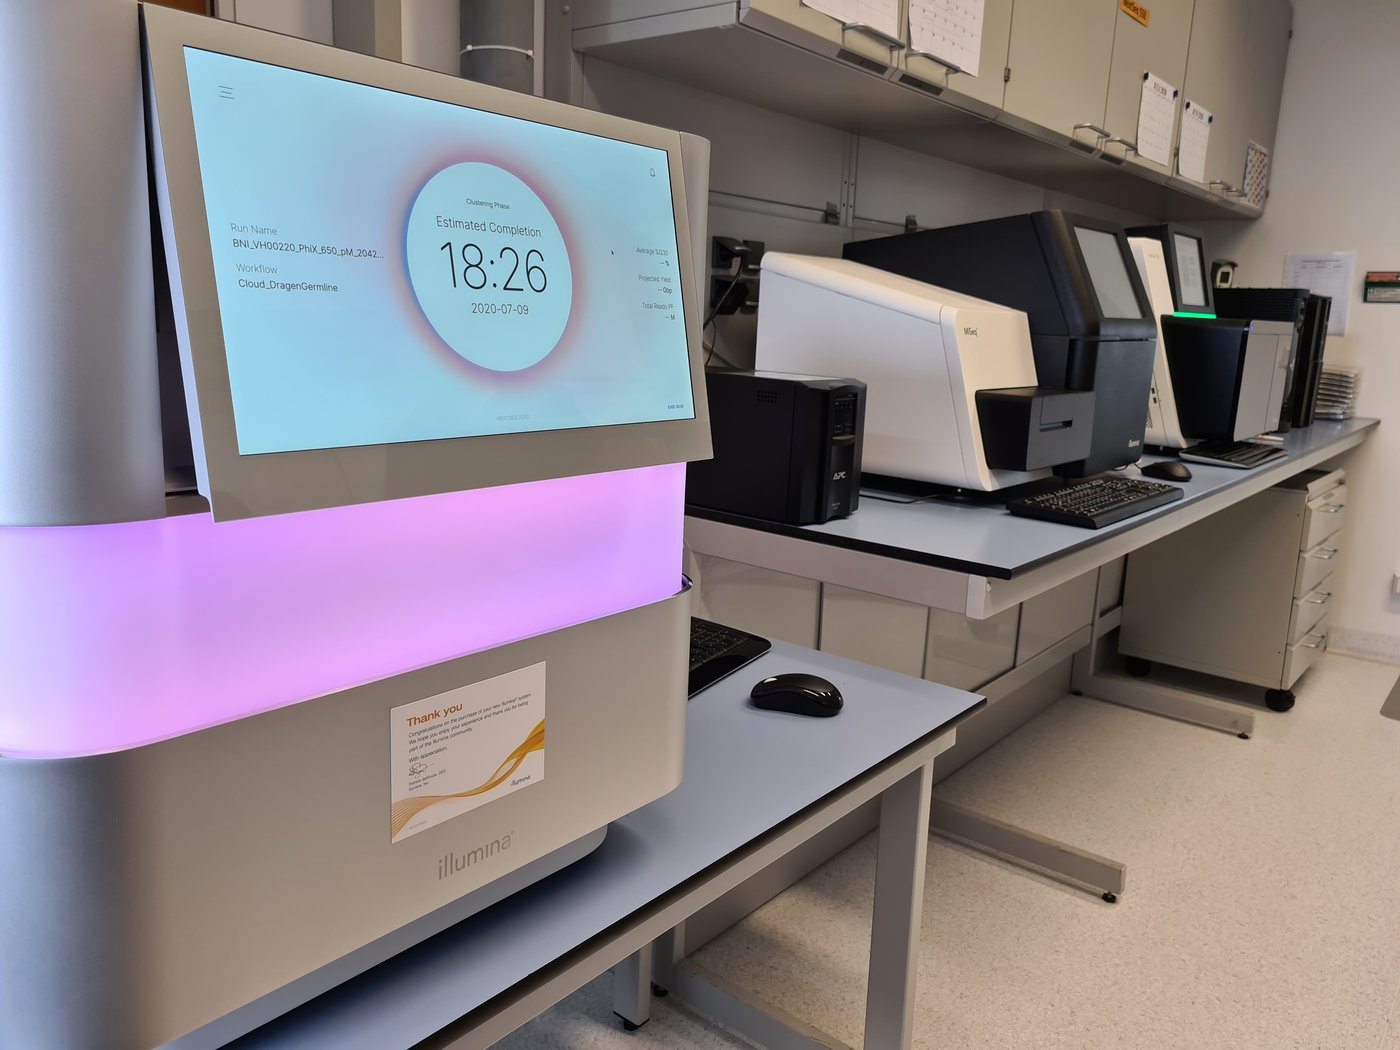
1242,455
717,651
1095,502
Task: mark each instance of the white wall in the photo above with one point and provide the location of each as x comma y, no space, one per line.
1333,188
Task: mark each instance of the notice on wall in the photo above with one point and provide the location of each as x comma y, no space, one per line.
1324,273
1195,140
459,750
949,30
1156,119
880,15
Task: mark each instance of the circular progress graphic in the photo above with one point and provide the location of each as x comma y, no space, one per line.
489,267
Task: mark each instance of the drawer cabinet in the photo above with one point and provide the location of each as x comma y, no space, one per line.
1308,612
1244,594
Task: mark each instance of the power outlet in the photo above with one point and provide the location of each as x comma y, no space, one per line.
727,295
733,290
724,250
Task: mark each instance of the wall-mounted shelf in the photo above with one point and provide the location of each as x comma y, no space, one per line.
803,64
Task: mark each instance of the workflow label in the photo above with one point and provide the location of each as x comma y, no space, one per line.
464,748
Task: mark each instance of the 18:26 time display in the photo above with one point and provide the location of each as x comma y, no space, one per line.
507,297
474,262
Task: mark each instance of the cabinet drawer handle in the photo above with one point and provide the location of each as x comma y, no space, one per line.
1102,133
951,67
1128,147
878,34
1333,508
1321,641
1325,553
1323,600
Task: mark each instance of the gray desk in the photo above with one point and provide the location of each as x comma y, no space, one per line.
980,560
757,784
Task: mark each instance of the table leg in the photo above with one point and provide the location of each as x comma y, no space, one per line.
632,989
898,913
1006,841
1391,707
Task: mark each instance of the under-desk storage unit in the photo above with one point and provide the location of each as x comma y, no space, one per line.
1245,593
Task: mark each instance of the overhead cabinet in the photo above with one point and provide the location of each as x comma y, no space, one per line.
987,88
1219,35
1056,96
1059,60
1159,48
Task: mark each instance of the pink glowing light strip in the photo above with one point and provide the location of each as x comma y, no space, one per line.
114,636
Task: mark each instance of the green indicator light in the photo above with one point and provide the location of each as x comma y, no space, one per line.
1186,313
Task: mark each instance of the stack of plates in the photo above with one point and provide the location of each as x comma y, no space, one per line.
1336,392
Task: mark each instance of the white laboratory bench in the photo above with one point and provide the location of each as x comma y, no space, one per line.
964,593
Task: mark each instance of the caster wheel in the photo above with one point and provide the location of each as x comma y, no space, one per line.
1279,699
1111,898
629,1026
1243,736
1137,667
658,991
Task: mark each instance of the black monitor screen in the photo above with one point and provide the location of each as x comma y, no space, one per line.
1108,272
1190,273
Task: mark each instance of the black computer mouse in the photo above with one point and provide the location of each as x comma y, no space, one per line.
1167,470
799,694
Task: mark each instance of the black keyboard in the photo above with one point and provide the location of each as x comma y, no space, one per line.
1095,502
1239,454
717,651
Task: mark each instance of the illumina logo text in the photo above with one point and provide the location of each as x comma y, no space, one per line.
453,863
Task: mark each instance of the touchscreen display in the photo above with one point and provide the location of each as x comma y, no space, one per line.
1108,273
1188,271
394,268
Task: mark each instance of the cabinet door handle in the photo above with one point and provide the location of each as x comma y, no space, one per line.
1326,553
1321,641
878,34
1102,133
1128,147
951,67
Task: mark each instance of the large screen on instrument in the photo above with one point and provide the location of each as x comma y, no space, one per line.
1108,271
389,282
395,268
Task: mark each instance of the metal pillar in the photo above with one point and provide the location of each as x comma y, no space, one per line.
498,42
80,439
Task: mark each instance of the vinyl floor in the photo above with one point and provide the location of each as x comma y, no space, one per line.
1262,907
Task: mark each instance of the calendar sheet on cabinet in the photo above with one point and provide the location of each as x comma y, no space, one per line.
1156,119
950,30
881,15
1195,139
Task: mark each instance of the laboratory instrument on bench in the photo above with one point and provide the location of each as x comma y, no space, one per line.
1090,322
950,379
1310,314
1184,255
376,673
